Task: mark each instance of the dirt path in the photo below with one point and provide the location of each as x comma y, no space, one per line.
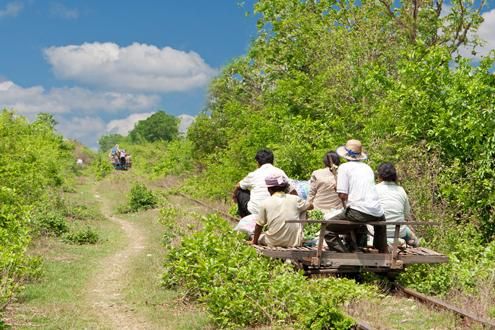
105,290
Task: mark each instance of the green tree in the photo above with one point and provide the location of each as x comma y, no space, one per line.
34,161
159,126
106,142
47,119
320,72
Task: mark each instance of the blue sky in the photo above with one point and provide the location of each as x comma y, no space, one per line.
100,66
186,41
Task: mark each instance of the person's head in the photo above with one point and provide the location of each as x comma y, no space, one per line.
330,158
264,156
387,172
353,151
276,183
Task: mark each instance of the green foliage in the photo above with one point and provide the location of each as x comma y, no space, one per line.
160,126
321,72
33,160
14,238
327,317
313,229
32,156
141,198
160,158
168,218
491,312
102,166
82,236
106,142
50,222
241,288
469,264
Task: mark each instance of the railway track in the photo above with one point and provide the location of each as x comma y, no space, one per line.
437,303
398,289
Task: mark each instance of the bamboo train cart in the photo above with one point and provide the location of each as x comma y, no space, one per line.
121,164
319,260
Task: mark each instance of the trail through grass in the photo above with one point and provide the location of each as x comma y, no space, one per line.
114,284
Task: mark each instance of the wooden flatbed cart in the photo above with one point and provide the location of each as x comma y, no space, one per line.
319,260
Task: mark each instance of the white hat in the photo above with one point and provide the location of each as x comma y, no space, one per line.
353,150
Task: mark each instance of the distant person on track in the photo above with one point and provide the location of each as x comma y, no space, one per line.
356,188
115,154
122,157
395,203
275,210
252,190
323,185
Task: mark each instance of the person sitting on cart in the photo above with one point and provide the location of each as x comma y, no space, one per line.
356,188
275,210
122,157
115,154
395,203
323,185
252,190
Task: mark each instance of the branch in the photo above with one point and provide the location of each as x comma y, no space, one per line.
415,20
466,29
439,7
391,13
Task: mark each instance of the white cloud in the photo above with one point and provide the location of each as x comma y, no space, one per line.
11,9
137,68
487,33
446,8
60,10
185,122
63,100
124,126
85,129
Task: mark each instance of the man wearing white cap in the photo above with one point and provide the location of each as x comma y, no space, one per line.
356,189
277,209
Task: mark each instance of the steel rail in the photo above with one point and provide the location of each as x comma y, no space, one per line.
225,214
443,305
360,325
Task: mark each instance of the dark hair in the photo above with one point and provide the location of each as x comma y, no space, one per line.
387,172
333,156
283,188
264,156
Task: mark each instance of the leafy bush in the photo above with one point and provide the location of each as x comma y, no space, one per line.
141,198
102,166
469,263
161,158
33,160
168,218
51,222
241,288
82,236
80,212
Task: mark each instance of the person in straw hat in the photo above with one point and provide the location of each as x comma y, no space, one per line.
356,188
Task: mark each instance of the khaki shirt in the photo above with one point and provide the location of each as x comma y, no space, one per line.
322,192
274,211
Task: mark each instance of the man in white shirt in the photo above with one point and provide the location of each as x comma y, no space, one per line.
356,189
252,190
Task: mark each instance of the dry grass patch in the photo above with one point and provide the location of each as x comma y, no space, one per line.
391,312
